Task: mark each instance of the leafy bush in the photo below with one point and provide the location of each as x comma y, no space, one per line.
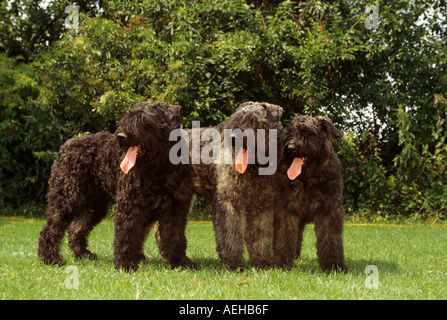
384,88
29,135
415,185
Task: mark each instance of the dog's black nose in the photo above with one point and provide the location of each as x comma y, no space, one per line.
122,136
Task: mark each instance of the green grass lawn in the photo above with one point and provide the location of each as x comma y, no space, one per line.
411,261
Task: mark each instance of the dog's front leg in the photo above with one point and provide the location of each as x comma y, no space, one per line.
171,239
259,236
129,236
329,233
229,227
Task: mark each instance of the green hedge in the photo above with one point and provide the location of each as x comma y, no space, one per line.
384,88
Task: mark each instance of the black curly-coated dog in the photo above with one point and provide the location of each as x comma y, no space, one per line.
309,189
131,168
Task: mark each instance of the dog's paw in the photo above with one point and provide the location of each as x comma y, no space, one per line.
57,262
127,266
186,263
341,268
87,255
239,267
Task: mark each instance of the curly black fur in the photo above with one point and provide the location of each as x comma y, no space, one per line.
315,195
86,177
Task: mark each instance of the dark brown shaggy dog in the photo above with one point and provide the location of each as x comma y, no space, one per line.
310,189
242,199
86,177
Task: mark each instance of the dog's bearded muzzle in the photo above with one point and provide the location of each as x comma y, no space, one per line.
299,161
132,152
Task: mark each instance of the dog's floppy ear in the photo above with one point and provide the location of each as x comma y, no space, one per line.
274,112
329,126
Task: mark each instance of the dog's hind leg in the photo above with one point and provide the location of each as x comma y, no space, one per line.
229,228
83,224
51,235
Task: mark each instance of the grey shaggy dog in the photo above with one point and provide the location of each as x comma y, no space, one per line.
242,200
131,168
310,189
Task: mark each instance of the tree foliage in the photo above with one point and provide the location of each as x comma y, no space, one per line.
385,88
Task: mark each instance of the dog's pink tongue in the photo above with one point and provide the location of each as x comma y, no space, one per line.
129,160
241,161
295,169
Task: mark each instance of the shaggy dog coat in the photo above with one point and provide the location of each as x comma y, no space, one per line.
310,189
131,168
242,199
